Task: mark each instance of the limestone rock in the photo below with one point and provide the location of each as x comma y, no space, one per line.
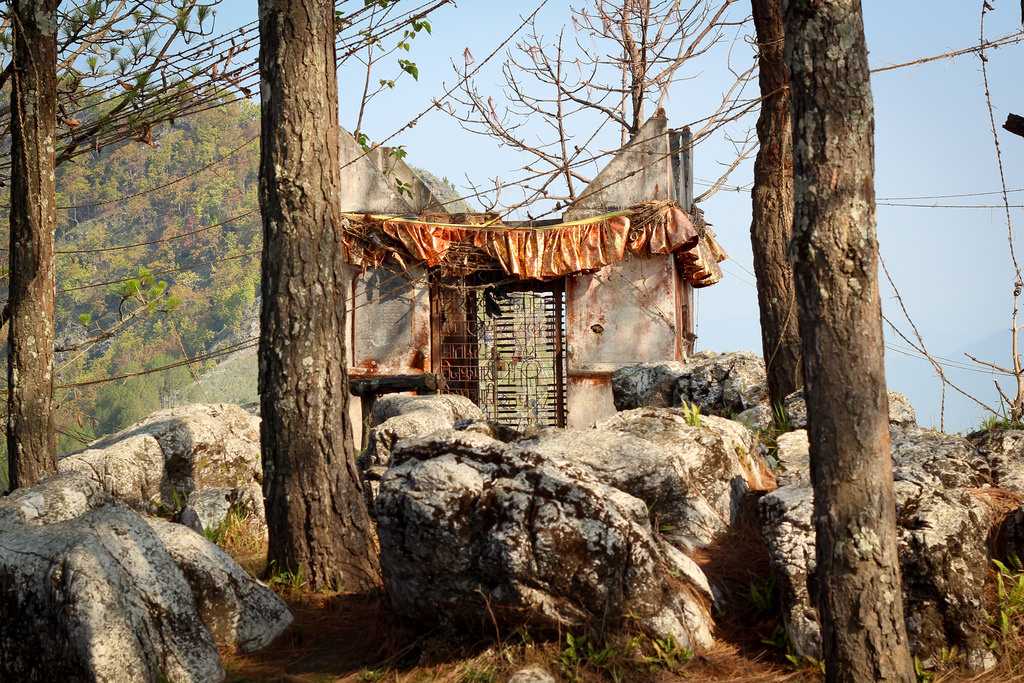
787,515
1003,450
794,458
723,384
936,460
108,595
191,455
400,416
901,411
683,473
943,559
943,564
113,596
760,417
472,529
236,609
532,674
645,385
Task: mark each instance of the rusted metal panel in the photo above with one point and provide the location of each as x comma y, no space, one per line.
391,323
501,347
624,313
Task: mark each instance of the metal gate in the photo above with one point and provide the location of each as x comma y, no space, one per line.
503,348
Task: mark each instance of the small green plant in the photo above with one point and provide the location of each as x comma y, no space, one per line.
780,419
780,641
923,675
372,675
285,579
176,506
1010,595
668,654
474,674
994,422
691,413
221,533
581,652
762,594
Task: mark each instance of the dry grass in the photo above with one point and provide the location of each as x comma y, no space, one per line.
357,638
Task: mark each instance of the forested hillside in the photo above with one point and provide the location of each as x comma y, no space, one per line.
182,288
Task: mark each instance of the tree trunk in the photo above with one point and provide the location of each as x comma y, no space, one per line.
318,522
772,226
31,439
859,595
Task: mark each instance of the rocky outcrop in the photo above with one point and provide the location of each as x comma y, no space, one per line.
761,417
943,527
793,458
474,530
646,385
943,565
683,472
787,516
532,674
203,458
399,416
112,596
723,384
1003,451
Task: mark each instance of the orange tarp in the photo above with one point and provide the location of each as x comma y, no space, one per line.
546,252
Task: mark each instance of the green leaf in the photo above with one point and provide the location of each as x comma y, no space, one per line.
409,68
85,319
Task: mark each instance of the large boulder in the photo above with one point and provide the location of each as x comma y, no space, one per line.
793,458
937,460
110,595
787,515
1003,450
204,458
761,417
943,524
943,564
722,384
474,530
401,416
684,472
646,385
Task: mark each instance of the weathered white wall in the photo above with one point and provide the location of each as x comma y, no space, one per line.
622,314
619,185
638,304
391,322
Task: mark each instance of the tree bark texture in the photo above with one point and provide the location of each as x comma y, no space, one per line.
31,439
772,197
317,518
836,259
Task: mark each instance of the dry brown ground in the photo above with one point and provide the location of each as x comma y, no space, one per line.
356,638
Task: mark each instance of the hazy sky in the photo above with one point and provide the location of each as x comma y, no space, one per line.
932,138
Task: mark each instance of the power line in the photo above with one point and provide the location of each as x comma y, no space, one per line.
952,206
168,271
121,247
947,196
243,345
1009,39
